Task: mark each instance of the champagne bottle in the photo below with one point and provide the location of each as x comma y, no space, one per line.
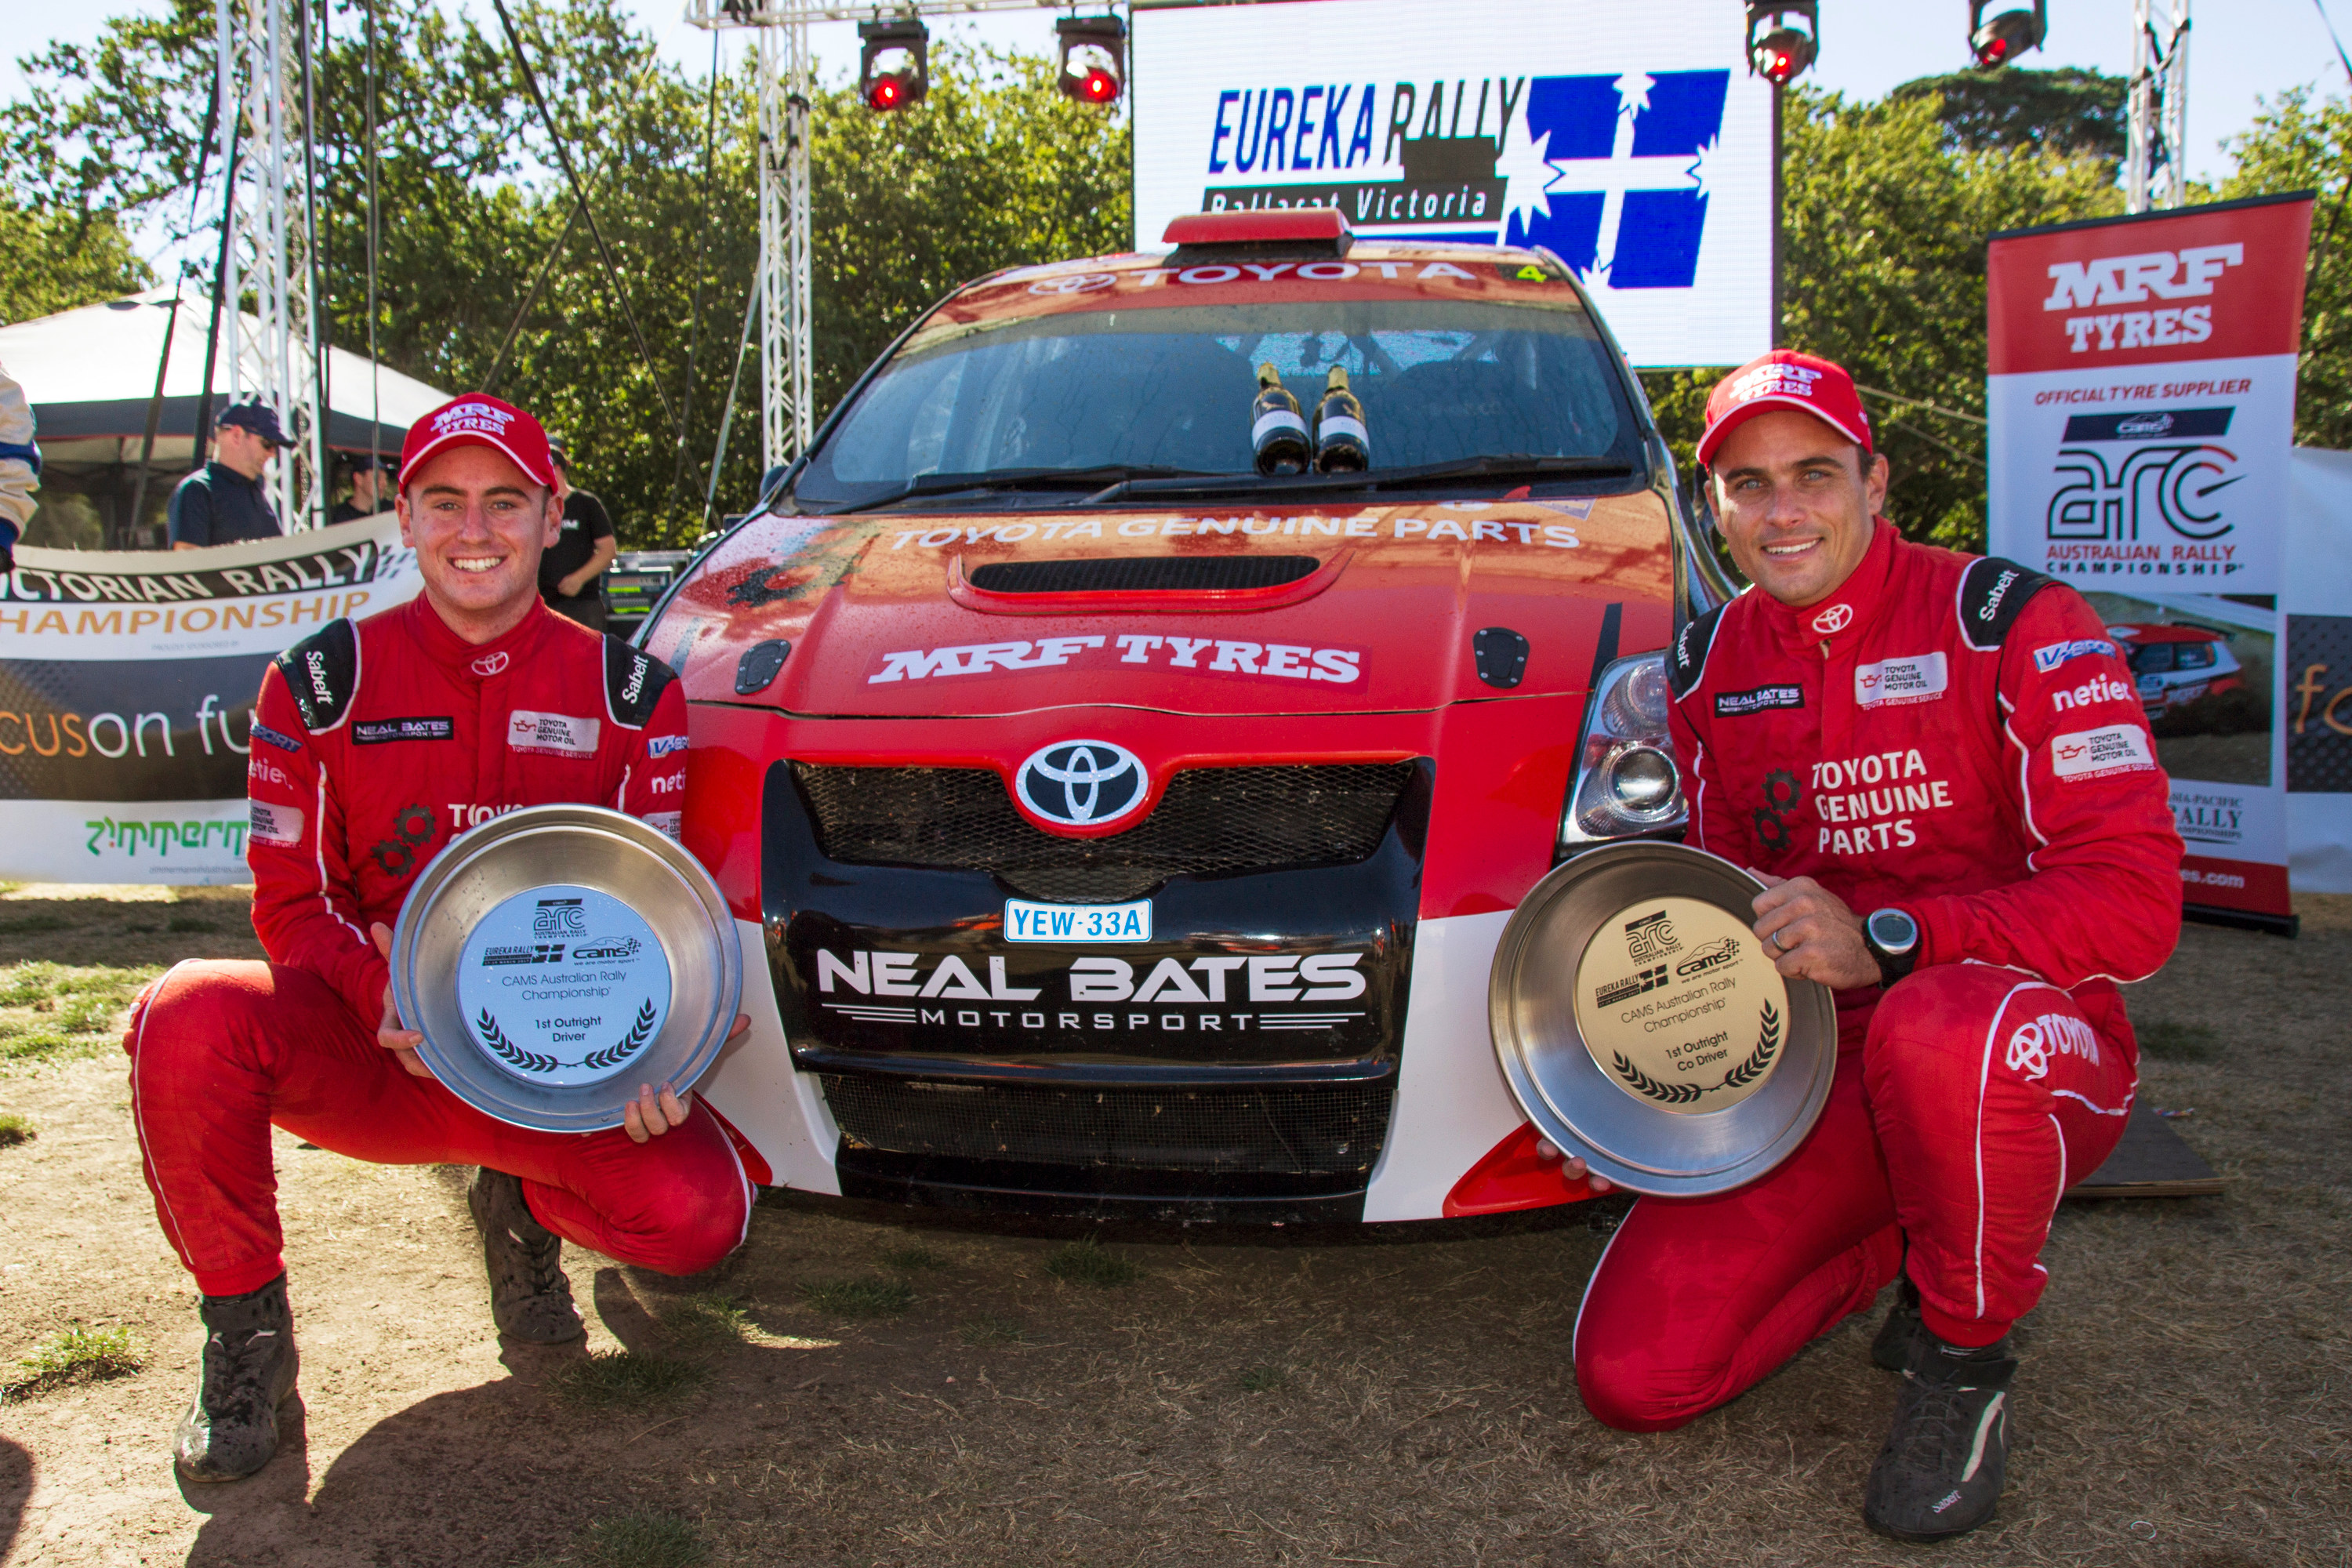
1278,428
1342,445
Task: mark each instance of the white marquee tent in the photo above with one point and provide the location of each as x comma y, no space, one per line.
90,375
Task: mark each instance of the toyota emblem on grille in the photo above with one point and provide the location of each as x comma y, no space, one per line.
1082,784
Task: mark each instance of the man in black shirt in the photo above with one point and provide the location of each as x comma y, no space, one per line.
370,494
569,569
224,502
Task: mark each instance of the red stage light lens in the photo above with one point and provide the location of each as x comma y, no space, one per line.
1099,87
884,94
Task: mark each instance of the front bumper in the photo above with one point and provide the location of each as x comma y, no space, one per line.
1244,1061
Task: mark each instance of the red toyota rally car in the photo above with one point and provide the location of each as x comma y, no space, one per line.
1119,830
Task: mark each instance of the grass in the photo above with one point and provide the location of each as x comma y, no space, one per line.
15,1129
77,1355
606,1380
2167,1041
858,1297
1086,1263
707,1319
1263,1379
991,1328
642,1540
909,1258
56,1011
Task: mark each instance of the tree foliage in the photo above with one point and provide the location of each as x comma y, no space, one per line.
2069,111
486,276
52,261
1883,271
2297,145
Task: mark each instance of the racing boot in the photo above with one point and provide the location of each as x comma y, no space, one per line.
231,1429
1941,1471
1892,1348
530,1298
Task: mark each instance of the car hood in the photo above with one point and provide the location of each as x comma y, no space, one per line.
1200,609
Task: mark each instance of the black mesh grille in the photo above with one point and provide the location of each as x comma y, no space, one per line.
1143,575
1294,1130
1212,822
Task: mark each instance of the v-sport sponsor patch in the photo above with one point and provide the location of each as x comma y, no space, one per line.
274,824
1892,683
2096,754
380,732
556,734
1738,704
283,742
663,745
2050,655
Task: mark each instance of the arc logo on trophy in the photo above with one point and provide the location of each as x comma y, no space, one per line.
1641,1023
546,1002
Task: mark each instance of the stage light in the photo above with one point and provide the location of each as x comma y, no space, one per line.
894,69
1778,51
1093,58
2013,30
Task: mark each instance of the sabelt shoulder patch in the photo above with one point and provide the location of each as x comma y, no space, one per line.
1688,660
634,682
322,671
1993,593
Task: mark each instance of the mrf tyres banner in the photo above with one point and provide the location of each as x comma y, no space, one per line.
2141,394
127,685
1630,140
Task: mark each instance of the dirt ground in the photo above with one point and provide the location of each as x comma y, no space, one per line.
1396,1397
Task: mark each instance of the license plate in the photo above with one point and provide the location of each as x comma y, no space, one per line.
1027,920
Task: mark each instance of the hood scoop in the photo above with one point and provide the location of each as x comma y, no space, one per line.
1141,583
1143,575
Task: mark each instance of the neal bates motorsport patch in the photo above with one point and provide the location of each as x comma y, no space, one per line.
1679,1005
563,984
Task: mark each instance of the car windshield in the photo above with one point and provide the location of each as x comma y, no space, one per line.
1170,388
2152,659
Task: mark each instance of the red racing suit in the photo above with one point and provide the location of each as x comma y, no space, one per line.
375,744
1956,737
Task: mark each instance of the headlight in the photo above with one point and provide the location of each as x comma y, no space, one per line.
1625,780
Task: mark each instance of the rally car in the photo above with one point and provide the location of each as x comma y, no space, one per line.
1113,827
2173,665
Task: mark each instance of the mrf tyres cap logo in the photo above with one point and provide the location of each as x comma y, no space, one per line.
1774,381
1082,784
472,417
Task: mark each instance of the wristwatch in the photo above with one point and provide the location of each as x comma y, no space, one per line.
1892,938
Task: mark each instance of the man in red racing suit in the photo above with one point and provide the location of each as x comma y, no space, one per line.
373,745
1882,726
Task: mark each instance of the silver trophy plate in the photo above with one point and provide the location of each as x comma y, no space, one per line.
559,956
1641,1024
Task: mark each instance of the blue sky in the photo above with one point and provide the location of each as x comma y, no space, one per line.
2244,50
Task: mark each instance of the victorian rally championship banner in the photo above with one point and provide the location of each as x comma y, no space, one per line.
2141,393
1630,139
127,685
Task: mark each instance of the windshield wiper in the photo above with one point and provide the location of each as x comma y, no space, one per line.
1510,466
1019,479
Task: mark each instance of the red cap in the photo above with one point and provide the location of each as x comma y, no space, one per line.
1784,379
477,419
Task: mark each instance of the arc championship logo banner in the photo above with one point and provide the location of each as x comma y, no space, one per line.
127,685
1630,139
2141,395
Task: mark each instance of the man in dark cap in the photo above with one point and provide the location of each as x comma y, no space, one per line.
569,571
224,501
371,492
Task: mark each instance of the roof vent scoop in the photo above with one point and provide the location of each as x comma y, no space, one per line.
1306,234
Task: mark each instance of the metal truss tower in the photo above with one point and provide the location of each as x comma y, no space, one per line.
2157,173
788,418
264,118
